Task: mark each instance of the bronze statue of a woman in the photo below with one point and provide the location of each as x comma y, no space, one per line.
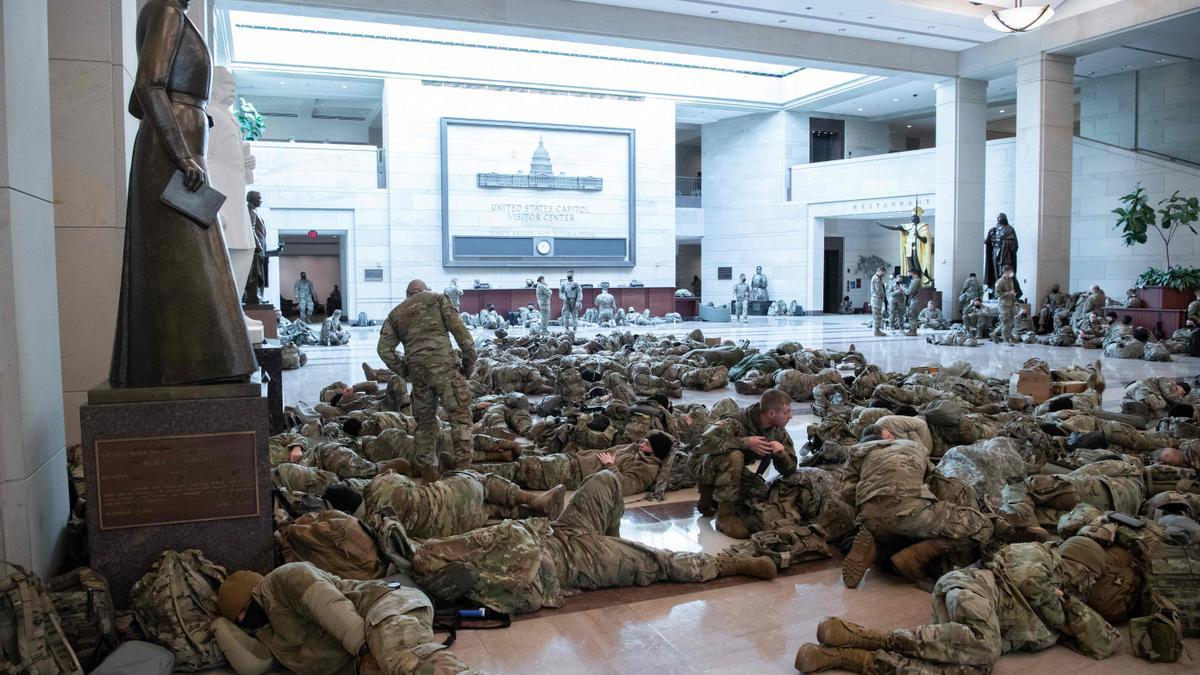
179,320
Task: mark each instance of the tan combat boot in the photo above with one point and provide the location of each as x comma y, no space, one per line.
759,567
911,561
549,503
369,372
399,465
859,559
835,632
813,658
729,523
706,506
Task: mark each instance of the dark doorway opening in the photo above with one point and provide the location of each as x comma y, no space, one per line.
832,296
827,140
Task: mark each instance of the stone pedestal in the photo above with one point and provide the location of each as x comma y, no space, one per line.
176,468
758,307
270,361
266,314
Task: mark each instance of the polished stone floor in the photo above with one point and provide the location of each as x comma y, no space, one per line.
753,627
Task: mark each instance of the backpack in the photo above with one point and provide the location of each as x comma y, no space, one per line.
85,612
31,639
1156,637
785,543
175,604
1173,573
334,542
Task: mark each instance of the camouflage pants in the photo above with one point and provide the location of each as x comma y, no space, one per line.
544,313
586,535
543,472
739,307
305,307
400,640
724,473
878,305
705,379
306,479
460,502
918,518
965,637
449,388
344,462
570,317
1007,333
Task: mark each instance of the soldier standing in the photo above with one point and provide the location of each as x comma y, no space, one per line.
741,298
455,294
421,323
1007,294
914,288
306,296
572,297
878,301
543,302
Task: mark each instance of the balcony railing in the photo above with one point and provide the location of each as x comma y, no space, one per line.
687,192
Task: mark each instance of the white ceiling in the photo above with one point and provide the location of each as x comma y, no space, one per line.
941,24
308,96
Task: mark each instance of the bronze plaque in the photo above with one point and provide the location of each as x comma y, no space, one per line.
176,479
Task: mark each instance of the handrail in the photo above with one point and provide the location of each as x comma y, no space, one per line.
1160,155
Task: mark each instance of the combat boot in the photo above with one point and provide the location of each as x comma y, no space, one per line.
1095,380
759,567
912,332
729,523
549,503
879,333
911,561
399,465
706,506
835,632
859,559
813,658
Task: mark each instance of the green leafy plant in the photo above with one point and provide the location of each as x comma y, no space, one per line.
1178,277
867,264
251,122
1137,218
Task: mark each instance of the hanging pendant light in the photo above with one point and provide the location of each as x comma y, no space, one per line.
1018,18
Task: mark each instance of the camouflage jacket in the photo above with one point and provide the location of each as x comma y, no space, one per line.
1005,286
877,289
420,323
543,295
733,432
888,468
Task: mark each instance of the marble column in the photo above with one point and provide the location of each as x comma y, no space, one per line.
33,478
959,182
92,65
1045,138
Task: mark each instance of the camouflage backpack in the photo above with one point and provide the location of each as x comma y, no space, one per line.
31,639
785,543
175,604
1163,478
1173,573
334,542
85,612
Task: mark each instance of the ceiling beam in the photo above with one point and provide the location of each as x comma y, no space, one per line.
628,27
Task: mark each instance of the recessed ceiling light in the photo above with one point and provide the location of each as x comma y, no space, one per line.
930,27
900,38
894,100
345,86
860,110
1124,67
282,82
1161,60
1002,110
908,126
841,30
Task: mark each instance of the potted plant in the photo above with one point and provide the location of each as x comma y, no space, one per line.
250,120
1170,288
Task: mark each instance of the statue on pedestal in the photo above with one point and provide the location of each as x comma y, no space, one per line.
179,321
916,245
1001,249
758,285
257,279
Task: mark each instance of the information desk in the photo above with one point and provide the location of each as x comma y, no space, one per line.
1171,319
660,301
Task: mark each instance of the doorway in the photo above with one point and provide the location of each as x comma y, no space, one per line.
320,258
827,140
832,296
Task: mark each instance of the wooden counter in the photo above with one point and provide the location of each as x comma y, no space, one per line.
660,301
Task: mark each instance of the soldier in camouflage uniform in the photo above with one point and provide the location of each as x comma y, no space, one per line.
641,467
312,621
741,299
421,324
1063,335
878,301
931,317
460,502
572,296
454,293
756,432
1007,295
897,303
1028,598
521,566
971,289
1153,396
306,297
291,357
542,291
910,295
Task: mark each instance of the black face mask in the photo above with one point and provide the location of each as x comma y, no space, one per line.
256,616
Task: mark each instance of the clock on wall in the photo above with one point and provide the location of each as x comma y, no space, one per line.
543,247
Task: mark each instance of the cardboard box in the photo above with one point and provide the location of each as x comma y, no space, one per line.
1033,383
923,370
1068,387
712,342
